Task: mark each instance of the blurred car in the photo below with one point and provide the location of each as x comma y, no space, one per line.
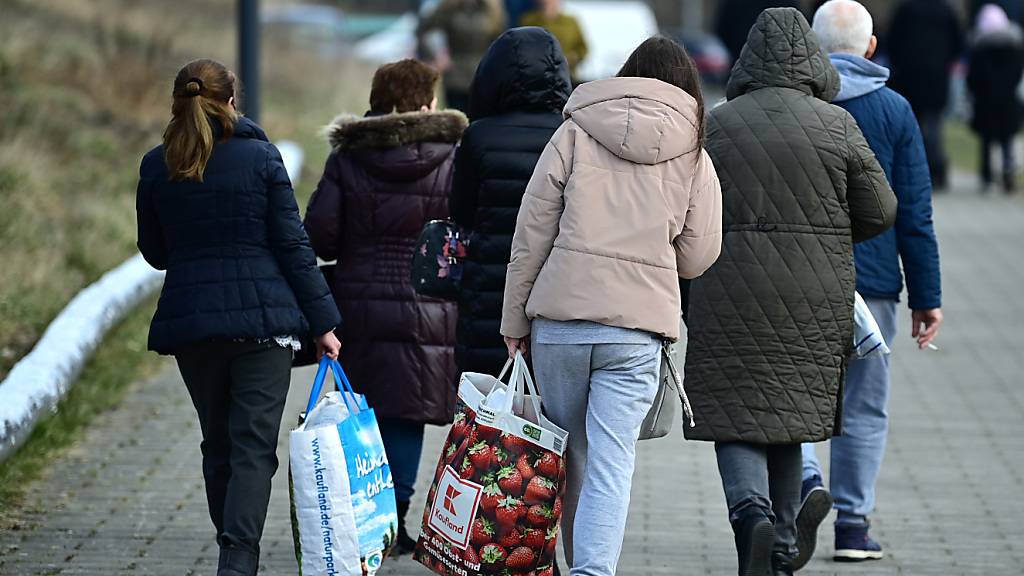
322,28
710,55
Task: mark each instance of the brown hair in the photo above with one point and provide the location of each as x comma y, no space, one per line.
664,59
403,86
202,91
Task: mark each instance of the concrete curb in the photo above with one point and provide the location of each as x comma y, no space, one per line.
39,381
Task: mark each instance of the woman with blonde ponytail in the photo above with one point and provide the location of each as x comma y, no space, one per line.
216,210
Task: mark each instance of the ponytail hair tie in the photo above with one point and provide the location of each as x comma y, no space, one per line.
193,87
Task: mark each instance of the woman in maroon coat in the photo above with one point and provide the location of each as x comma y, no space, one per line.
389,173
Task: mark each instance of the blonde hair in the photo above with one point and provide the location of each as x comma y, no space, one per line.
202,93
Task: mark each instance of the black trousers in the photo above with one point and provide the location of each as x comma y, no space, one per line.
239,390
1006,147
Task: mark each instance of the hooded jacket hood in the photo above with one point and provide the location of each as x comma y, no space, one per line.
642,120
783,52
858,75
402,146
524,70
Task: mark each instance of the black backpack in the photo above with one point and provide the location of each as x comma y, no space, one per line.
437,262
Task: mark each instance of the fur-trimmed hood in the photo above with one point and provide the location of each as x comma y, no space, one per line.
348,132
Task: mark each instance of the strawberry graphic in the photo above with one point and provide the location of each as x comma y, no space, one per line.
556,510
486,432
515,444
466,471
521,558
524,467
510,510
546,571
482,532
547,465
511,538
534,538
492,556
501,457
539,516
470,556
539,491
549,543
491,494
510,481
480,455
460,427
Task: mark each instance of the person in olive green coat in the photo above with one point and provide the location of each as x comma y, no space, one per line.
562,26
771,322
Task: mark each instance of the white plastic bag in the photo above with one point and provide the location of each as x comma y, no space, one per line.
867,337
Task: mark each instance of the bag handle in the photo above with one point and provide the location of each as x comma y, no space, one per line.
521,372
341,383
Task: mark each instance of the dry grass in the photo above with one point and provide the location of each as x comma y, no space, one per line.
84,92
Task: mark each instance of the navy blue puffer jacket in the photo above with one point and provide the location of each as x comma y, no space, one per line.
889,126
239,264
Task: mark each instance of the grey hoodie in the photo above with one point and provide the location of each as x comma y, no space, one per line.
858,76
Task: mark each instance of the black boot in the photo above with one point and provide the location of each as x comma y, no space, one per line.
782,564
1010,182
755,538
404,544
236,561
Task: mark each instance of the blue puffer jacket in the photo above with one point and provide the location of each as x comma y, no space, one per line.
891,130
239,264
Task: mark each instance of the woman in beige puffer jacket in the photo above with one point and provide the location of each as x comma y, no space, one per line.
624,201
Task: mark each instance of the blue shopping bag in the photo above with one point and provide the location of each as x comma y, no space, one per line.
345,517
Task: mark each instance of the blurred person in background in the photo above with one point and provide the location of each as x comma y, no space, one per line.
844,28
518,95
624,202
469,27
216,210
550,16
1014,9
771,323
925,41
735,17
515,9
996,69
389,173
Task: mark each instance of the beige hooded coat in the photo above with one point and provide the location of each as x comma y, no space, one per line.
622,203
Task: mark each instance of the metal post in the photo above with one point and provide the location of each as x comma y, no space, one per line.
249,56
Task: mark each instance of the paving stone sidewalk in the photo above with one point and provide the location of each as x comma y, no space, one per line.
128,498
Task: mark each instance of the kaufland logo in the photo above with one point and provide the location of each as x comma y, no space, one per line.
449,499
454,508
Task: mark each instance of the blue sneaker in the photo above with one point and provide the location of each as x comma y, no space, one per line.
815,505
854,545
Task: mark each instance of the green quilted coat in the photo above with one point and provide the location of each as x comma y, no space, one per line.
771,323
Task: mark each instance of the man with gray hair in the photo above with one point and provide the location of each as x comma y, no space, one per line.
844,28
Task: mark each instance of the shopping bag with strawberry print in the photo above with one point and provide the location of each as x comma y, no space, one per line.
496,499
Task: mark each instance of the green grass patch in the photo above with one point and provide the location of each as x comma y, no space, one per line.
120,361
962,147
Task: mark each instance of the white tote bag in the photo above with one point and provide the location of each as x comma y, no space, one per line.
344,516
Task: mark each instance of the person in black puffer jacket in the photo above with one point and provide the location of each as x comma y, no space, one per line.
216,210
516,104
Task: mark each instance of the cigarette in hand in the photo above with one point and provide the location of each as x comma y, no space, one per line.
933,347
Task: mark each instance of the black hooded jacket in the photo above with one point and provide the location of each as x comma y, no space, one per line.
516,104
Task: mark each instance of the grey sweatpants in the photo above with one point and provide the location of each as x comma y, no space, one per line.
600,394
